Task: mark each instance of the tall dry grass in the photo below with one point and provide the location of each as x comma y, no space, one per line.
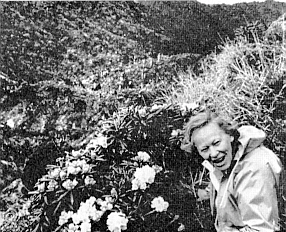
237,83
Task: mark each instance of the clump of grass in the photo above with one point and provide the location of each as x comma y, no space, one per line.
237,83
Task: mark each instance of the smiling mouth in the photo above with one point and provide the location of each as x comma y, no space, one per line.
219,160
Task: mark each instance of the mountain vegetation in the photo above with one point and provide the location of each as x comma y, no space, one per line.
92,85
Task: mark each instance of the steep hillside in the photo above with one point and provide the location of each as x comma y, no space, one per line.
198,28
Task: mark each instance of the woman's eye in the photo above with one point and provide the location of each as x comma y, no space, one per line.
204,150
216,143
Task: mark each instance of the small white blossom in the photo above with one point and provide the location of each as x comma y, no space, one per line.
78,166
64,217
73,228
98,141
181,227
89,181
85,227
142,176
55,173
137,184
142,156
10,122
159,204
157,168
63,175
41,187
113,192
52,185
72,170
69,185
175,133
80,216
85,168
116,222
105,205
90,201
77,154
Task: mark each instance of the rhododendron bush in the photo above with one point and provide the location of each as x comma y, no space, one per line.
122,179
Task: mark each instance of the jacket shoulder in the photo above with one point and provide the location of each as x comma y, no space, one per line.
260,160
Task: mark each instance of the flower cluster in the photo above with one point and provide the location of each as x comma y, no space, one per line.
142,156
100,140
142,176
159,204
87,212
75,162
78,166
116,222
69,184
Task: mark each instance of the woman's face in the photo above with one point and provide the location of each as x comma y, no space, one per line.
214,144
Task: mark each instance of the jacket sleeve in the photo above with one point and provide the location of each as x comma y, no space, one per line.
255,188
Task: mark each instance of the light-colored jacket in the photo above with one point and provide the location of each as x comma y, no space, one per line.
247,199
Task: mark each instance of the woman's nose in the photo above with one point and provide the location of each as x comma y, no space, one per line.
213,152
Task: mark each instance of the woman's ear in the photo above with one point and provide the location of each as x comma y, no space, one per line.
231,138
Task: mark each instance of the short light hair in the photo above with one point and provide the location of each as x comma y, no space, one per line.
201,119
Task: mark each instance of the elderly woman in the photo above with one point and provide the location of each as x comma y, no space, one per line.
244,173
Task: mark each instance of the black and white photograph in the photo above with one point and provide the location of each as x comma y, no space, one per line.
143,116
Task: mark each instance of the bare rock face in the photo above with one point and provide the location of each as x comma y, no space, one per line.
277,29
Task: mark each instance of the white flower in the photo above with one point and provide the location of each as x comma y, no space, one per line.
77,166
52,185
175,133
105,205
146,174
181,227
55,173
68,184
85,227
87,212
99,141
41,187
159,204
77,154
85,168
96,215
142,156
64,217
89,181
142,176
80,216
10,122
63,175
157,168
73,228
137,184
116,222
113,192
72,170
90,201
